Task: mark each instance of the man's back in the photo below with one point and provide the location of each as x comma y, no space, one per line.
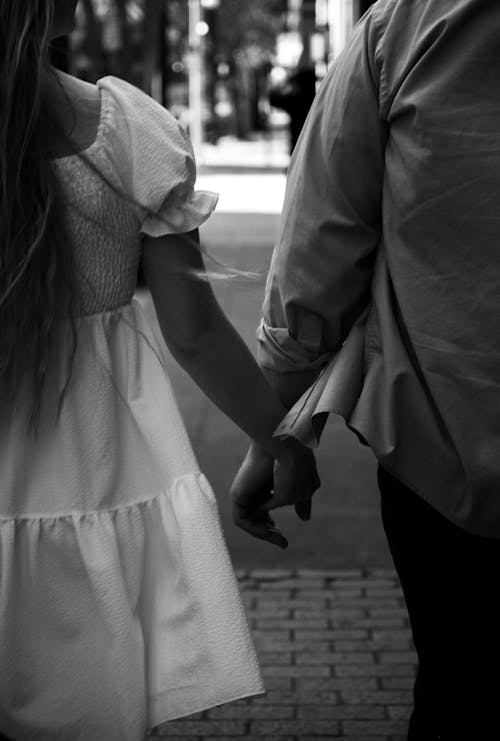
392,202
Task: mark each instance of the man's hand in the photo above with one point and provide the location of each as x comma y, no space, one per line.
264,483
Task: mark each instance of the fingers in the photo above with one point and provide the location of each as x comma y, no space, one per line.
292,492
259,525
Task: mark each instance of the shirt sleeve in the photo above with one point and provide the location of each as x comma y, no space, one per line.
321,269
153,160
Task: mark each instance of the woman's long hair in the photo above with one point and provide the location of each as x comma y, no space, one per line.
36,270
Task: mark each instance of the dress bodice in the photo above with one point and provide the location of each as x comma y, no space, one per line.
105,230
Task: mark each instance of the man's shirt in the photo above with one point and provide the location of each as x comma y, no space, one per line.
393,206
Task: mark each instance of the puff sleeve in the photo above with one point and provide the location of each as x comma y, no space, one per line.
153,161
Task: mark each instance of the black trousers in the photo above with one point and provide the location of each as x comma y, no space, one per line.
451,583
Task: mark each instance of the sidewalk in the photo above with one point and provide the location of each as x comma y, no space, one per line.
336,655
263,151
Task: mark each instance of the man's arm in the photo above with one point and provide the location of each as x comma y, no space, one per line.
320,276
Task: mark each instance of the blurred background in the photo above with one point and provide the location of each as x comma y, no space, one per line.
217,65
241,76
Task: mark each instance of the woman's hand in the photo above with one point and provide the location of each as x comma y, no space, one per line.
264,483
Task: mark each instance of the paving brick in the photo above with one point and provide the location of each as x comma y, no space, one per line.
356,686
253,712
338,595
306,623
273,658
307,607
375,670
375,622
379,634
294,727
296,671
270,574
272,635
397,644
398,683
376,697
278,683
379,727
259,612
342,712
270,608
388,612
331,573
270,597
299,698
334,658
231,728
344,738
371,583
295,583
399,712
364,602
154,737
276,697
384,593
331,635
314,594
397,657
270,645
382,574
332,614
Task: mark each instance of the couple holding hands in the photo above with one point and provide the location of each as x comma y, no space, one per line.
119,608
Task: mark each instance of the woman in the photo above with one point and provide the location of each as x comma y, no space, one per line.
118,605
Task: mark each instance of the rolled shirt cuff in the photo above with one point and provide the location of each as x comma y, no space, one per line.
278,351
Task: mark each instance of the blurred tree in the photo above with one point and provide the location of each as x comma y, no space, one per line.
246,40
146,43
253,26
92,41
153,20
121,37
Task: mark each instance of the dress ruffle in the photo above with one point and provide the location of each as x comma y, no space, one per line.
137,606
119,608
180,216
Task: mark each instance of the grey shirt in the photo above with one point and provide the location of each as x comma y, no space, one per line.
393,208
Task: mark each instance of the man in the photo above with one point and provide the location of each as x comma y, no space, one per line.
392,211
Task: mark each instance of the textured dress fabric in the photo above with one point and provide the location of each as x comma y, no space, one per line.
119,608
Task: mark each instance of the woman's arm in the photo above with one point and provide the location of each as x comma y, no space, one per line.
204,342
206,345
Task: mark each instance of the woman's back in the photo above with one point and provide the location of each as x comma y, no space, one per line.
109,532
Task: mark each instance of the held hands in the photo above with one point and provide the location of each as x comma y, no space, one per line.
264,483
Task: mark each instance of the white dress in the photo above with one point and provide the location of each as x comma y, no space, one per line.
119,608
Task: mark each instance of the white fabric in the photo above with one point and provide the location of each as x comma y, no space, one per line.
153,156
119,608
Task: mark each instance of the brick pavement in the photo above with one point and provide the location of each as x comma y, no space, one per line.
336,655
